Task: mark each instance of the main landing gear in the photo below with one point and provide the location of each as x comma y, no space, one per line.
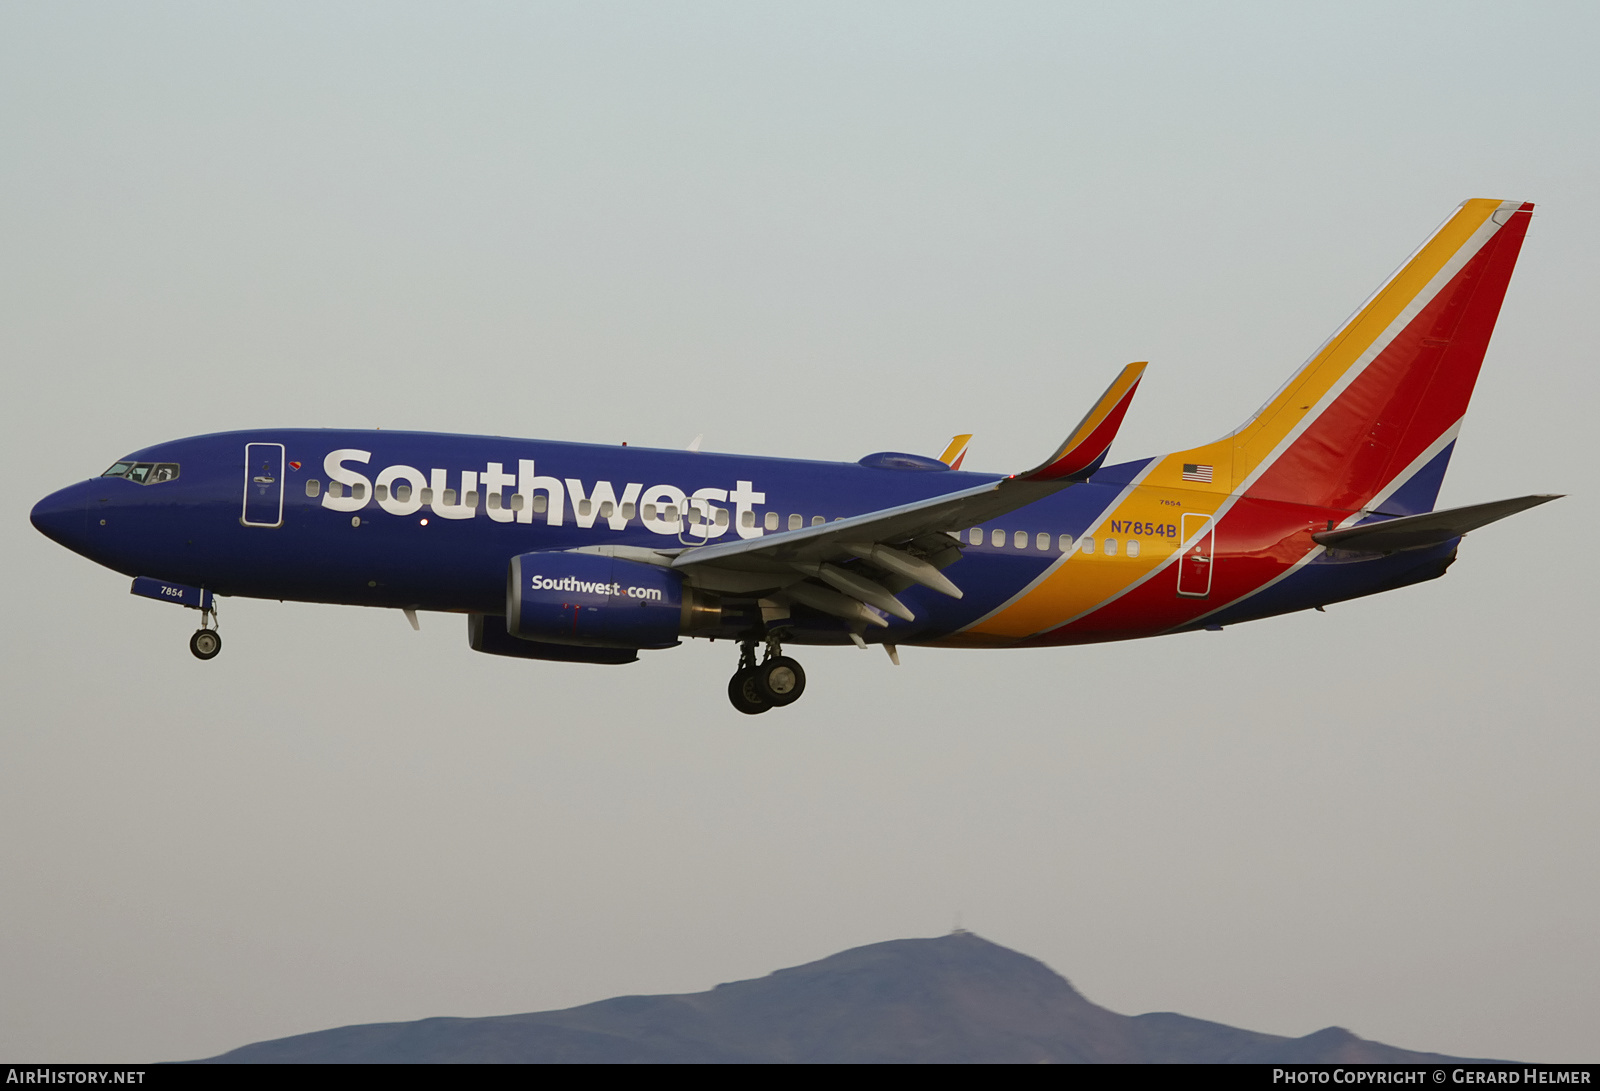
207,640
774,682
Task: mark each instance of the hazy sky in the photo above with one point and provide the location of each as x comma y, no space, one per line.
813,230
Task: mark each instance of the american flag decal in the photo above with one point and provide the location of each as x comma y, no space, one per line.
1197,471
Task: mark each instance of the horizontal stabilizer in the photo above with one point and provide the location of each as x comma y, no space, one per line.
1429,529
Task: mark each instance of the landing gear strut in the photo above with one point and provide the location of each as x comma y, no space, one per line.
207,640
774,682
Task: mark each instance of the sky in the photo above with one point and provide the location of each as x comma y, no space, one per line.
808,230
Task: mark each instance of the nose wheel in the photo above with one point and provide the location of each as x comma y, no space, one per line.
206,641
774,682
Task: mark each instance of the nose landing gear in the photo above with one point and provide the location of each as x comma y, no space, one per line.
205,644
774,682
207,640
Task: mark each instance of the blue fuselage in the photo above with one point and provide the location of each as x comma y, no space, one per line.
429,521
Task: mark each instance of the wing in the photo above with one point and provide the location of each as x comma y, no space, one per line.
851,568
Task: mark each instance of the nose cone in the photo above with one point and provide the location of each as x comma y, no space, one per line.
63,516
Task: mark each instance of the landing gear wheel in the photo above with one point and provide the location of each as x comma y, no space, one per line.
744,693
780,681
205,643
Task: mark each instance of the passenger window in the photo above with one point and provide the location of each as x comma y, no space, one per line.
335,490
164,471
975,536
494,498
672,513
606,509
771,521
402,493
1065,543
627,511
1088,544
313,487
516,502
1019,540
585,507
449,498
358,491
427,495
649,509
1133,547
796,522
1111,547
748,519
380,493
1041,541
817,520
997,538
722,518
540,503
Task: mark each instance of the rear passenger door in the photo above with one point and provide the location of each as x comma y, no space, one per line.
1194,567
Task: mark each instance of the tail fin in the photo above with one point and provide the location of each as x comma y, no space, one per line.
1370,420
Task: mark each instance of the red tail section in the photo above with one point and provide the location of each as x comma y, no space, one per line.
1381,402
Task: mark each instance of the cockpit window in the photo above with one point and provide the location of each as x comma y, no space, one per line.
144,473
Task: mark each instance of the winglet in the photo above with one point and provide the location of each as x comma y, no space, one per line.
1085,449
957,451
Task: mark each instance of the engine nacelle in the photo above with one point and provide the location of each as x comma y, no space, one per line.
488,635
596,601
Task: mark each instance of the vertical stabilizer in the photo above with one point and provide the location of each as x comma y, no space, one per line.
1370,420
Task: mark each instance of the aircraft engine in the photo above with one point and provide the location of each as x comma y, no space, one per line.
488,634
597,601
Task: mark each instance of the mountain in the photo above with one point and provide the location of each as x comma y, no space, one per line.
955,999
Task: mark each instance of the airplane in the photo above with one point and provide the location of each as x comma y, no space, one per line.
580,553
